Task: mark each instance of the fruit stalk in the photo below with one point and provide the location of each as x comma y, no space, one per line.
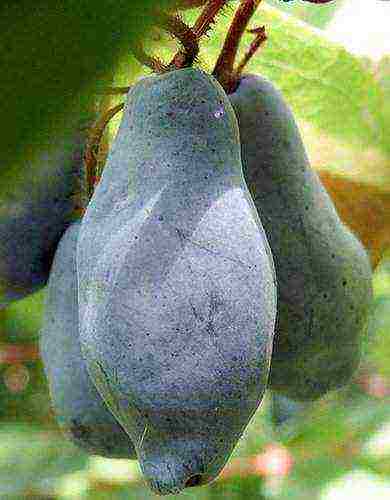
224,67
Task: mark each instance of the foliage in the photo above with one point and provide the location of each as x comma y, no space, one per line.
311,13
61,49
325,85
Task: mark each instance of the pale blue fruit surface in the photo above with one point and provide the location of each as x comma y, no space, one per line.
176,281
78,406
324,273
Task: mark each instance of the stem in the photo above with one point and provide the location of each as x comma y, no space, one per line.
260,38
202,25
224,67
92,149
114,90
151,62
207,17
179,29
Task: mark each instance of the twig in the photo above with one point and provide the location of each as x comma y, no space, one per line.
202,25
260,38
114,90
180,30
155,64
207,17
92,149
224,67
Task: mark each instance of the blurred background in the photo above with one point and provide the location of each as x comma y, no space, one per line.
332,63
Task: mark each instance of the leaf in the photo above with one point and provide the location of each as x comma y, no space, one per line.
317,15
364,208
51,54
324,84
23,318
29,457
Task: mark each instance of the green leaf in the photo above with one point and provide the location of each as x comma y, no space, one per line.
23,318
318,15
30,457
325,85
51,54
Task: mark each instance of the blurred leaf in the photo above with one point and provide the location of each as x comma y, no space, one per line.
23,318
355,161
318,15
364,208
336,428
368,32
357,483
379,328
237,488
283,409
324,84
51,54
29,457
